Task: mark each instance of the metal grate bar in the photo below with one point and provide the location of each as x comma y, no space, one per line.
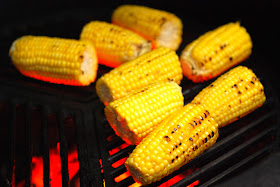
63,150
12,132
120,154
28,154
245,161
46,157
119,170
126,182
81,148
117,141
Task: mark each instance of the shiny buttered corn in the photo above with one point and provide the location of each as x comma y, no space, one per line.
55,60
134,116
160,27
114,45
191,130
161,64
233,95
215,52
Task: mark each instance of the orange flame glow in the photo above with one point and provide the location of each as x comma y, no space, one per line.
55,168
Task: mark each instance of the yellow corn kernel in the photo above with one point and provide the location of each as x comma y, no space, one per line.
56,60
161,64
232,96
114,45
215,52
135,115
181,137
161,27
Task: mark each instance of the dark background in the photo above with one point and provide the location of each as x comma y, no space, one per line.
66,19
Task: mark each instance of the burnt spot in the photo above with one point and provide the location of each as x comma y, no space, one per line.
221,47
83,72
175,129
252,82
229,106
172,160
208,113
177,157
191,125
209,135
148,61
246,88
172,132
239,92
81,56
230,58
199,121
167,138
183,152
212,133
191,139
205,115
211,85
254,78
196,134
205,140
169,79
111,42
178,126
196,147
195,122
180,144
235,85
261,90
210,58
193,148
147,74
176,146
201,118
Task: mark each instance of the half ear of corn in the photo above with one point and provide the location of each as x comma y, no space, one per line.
134,116
161,27
184,135
56,60
114,45
161,64
191,130
215,52
232,96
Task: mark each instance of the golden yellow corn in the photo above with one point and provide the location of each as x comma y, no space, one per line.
184,135
56,60
189,131
161,27
233,95
134,116
215,52
114,45
161,64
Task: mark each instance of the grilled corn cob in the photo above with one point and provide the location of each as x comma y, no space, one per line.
134,116
191,130
161,27
161,64
215,52
114,45
56,60
233,95
184,135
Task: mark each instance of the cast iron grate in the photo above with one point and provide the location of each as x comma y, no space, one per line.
35,120
240,144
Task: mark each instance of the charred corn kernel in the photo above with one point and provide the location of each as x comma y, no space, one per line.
233,95
135,115
114,45
161,64
161,27
215,52
56,60
181,137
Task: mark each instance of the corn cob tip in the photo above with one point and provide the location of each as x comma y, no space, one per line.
55,60
215,52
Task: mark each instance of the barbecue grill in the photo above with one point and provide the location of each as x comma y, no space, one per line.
57,135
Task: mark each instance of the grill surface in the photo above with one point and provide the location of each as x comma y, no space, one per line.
30,108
